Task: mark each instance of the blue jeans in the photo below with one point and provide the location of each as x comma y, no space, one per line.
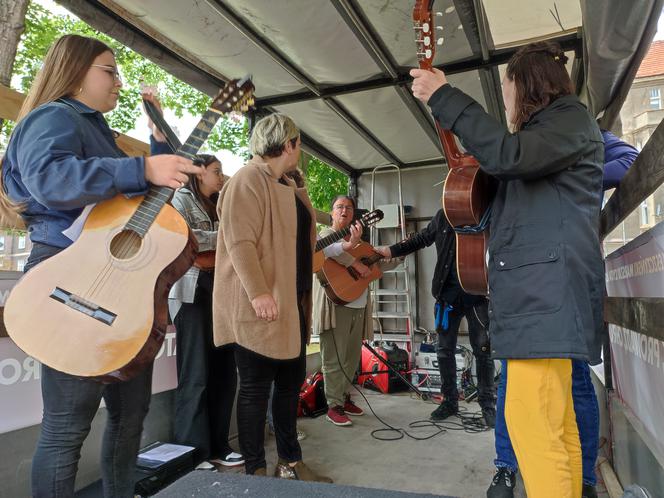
70,404
587,419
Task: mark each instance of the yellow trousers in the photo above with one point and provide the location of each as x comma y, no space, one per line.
541,422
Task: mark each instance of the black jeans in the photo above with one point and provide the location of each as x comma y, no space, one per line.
70,404
257,373
207,378
478,324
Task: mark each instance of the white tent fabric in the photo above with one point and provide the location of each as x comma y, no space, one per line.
340,67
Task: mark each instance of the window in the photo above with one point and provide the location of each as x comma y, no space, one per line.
655,99
644,213
2,242
21,242
20,265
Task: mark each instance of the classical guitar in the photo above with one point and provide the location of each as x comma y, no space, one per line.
99,308
344,285
468,190
366,220
204,260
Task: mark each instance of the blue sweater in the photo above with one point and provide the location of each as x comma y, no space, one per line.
618,157
61,157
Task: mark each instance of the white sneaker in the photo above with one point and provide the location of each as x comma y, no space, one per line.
231,460
205,465
301,435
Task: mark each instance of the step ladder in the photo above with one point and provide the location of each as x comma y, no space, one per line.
392,310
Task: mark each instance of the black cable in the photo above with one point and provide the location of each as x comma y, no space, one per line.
472,423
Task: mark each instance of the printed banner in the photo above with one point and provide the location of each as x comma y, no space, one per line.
637,270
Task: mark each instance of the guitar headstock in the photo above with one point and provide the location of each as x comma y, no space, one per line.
237,95
424,30
372,217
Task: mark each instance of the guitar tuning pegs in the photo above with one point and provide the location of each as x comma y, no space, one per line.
427,40
440,41
439,14
439,28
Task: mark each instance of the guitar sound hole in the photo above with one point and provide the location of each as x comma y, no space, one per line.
126,244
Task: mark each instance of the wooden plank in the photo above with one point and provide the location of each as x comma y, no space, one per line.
641,180
10,105
641,314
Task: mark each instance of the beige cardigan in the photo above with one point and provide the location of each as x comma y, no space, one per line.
256,250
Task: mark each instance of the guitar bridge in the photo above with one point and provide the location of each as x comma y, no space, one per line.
83,306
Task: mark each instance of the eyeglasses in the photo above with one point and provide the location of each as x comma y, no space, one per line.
112,70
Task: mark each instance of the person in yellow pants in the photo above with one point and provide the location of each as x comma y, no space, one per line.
539,412
546,272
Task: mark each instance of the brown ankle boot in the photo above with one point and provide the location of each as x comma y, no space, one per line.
299,472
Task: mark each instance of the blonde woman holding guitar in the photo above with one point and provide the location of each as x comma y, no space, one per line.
61,157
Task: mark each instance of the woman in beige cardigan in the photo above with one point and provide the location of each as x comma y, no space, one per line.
262,292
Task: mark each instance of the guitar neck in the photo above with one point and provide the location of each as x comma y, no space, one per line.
332,238
155,199
159,121
426,49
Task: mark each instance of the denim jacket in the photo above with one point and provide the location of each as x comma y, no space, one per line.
205,231
61,157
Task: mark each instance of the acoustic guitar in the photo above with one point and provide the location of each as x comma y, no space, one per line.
368,219
98,309
204,260
344,285
468,191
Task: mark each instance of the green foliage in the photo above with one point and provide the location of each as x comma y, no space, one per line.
44,27
324,184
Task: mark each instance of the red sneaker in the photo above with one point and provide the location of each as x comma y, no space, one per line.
337,416
352,409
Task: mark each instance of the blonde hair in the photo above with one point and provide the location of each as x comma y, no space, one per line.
62,73
270,135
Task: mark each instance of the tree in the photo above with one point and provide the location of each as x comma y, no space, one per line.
12,16
43,27
324,183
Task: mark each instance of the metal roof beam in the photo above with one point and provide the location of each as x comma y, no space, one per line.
496,58
357,22
263,44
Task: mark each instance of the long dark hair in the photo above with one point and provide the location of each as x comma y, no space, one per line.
540,77
208,203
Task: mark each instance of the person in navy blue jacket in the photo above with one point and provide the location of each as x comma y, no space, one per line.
618,157
61,157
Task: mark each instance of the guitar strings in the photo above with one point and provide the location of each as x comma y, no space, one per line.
125,238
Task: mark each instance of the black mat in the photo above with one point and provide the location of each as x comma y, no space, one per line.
206,484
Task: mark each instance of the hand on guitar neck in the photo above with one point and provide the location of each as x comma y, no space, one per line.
426,82
149,93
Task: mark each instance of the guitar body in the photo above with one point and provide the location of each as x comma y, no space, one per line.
107,269
205,260
319,259
466,196
471,262
468,190
341,284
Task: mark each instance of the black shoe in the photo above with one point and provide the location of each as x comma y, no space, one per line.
489,414
588,491
446,409
502,485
